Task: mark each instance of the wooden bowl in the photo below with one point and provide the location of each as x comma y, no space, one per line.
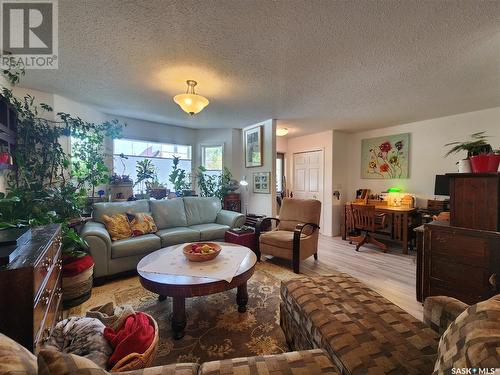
196,257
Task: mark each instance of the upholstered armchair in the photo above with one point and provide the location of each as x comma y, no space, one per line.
296,235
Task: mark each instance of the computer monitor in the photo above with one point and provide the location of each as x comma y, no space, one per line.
442,185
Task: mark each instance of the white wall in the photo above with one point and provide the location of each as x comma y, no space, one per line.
318,141
340,168
256,203
426,150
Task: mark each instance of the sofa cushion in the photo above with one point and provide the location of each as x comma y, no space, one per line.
15,359
309,362
52,362
210,231
169,213
279,238
112,208
135,246
201,210
279,243
174,236
473,339
363,332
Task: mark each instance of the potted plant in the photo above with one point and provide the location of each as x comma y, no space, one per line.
5,157
480,154
146,173
178,178
120,187
77,269
156,189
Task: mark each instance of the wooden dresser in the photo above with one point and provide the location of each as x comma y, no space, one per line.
461,258
30,289
460,262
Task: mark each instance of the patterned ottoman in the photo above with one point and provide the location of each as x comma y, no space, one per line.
363,332
309,362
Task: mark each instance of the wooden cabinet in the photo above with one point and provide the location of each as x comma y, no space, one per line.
460,262
474,200
30,289
232,202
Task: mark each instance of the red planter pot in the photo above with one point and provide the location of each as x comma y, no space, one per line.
485,163
4,158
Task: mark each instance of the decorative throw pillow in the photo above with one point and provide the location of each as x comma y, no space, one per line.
117,226
52,362
81,336
141,223
472,340
15,359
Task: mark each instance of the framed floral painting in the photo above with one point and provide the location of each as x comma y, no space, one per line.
385,157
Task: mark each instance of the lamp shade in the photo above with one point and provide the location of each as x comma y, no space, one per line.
281,132
190,102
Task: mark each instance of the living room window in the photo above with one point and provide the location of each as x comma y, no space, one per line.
212,158
161,155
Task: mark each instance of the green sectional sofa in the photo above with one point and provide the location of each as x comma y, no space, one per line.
179,220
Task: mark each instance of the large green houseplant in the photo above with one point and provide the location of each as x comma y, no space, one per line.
48,184
178,178
214,185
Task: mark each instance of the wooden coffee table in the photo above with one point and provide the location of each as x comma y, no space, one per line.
182,287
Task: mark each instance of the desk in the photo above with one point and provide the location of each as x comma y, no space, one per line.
399,218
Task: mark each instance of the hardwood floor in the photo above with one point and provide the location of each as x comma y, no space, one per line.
391,274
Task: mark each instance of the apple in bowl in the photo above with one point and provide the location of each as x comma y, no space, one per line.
201,251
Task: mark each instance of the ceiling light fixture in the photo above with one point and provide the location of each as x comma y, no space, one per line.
190,102
281,132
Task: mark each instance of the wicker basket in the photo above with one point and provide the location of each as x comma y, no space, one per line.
136,361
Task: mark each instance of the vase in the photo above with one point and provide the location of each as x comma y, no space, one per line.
486,163
464,166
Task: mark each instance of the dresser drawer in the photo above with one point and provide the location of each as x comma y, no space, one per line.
46,262
460,248
53,315
51,290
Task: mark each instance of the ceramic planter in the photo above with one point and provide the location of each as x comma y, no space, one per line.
464,166
5,158
486,163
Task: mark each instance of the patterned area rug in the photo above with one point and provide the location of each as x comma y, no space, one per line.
215,330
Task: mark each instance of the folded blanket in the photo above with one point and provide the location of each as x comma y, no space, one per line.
111,316
73,266
134,336
83,337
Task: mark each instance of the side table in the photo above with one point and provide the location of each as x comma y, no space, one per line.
247,239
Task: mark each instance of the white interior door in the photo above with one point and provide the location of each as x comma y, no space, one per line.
308,176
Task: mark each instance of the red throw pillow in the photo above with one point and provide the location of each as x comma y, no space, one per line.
134,336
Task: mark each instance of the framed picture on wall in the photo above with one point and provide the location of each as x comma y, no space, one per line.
385,157
253,147
262,182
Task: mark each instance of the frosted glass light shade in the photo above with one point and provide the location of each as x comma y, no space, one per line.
281,132
190,102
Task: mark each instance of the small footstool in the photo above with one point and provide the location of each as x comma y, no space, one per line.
308,362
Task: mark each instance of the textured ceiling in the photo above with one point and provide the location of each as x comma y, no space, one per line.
313,64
